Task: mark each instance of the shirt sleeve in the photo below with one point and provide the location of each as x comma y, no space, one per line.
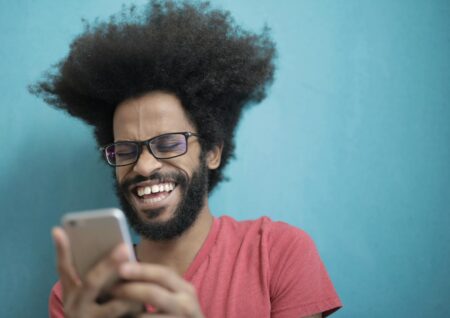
299,283
55,304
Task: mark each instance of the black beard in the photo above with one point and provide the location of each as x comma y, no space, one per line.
187,211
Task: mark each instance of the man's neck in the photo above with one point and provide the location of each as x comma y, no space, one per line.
178,253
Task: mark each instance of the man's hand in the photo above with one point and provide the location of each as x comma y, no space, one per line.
80,297
159,287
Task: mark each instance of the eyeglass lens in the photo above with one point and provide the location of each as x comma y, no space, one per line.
162,147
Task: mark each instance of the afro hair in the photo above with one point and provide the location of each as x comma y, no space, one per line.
189,49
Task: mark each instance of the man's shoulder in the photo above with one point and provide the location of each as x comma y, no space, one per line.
265,227
273,245
264,222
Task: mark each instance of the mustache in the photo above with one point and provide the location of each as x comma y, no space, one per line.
177,177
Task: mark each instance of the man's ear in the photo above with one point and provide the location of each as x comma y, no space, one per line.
214,156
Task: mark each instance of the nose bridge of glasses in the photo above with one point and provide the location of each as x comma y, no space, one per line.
146,162
146,150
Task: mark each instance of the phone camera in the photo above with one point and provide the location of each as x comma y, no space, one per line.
72,223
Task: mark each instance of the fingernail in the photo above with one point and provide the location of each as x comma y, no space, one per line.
54,232
56,235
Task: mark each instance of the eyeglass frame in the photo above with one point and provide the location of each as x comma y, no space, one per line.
141,144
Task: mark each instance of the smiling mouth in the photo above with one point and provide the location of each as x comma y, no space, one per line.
154,193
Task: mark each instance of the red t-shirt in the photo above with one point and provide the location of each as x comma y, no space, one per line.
255,269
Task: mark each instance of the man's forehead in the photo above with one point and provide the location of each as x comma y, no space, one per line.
150,114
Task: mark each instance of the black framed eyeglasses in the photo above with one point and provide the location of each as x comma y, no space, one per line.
165,146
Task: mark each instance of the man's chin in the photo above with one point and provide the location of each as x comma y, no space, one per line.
171,218
152,215
158,215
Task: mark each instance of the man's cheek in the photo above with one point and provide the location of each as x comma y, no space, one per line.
119,175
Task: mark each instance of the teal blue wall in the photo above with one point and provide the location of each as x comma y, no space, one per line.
352,145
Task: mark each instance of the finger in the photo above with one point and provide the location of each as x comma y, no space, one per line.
105,273
67,273
156,274
159,297
119,308
147,293
157,316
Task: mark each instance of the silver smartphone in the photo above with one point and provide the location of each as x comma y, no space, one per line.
94,234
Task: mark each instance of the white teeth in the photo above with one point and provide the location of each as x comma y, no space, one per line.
163,187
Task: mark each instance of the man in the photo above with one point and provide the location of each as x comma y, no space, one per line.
165,90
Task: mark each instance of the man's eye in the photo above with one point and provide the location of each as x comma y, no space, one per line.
122,151
169,146
125,153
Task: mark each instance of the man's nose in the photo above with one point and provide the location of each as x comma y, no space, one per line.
147,163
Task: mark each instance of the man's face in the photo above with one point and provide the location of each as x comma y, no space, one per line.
180,183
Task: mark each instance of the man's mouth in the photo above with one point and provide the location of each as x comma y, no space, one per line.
153,193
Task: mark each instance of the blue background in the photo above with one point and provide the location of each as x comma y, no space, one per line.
352,145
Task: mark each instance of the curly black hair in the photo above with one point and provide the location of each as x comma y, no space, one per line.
189,49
